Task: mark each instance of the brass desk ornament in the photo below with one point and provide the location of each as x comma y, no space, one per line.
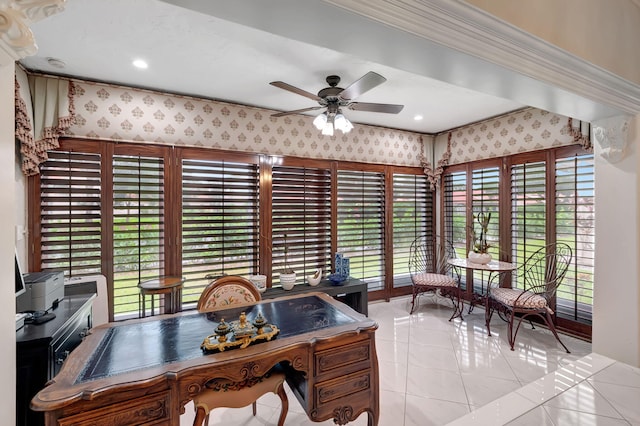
239,334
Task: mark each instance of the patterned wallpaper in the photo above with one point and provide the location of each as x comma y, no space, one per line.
529,129
109,112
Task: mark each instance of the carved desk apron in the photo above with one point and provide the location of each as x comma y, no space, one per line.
147,370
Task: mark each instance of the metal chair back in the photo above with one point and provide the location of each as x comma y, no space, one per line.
543,272
425,255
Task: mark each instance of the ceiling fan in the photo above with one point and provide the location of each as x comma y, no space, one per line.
333,98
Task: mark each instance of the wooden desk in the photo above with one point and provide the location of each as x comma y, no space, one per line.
353,292
171,286
145,371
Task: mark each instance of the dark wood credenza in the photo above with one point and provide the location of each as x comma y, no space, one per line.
353,292
41,350
145,371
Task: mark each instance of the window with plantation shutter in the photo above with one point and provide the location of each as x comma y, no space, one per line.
485,199
138,226
220,222
528,211
361,225
575,221
551,198
70,204
301,211
412,217
455,211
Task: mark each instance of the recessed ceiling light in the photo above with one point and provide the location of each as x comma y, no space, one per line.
55,62
139,63
417,117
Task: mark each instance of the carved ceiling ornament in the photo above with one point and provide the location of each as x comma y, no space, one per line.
16,38
612,134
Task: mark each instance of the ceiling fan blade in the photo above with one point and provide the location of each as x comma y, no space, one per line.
364,84
295,111
366,106
290,88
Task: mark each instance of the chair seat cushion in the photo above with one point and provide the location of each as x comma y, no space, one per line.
435,280
516,298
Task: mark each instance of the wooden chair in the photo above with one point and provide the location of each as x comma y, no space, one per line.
540,275
226,291
223,292
430,272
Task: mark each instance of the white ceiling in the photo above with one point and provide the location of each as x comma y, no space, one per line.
202,55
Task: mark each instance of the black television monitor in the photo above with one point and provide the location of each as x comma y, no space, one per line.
20,286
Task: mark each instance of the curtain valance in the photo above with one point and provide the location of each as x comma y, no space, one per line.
39,124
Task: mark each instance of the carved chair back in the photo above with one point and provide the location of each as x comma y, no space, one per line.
227,291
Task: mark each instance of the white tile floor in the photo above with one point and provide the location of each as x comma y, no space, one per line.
436,372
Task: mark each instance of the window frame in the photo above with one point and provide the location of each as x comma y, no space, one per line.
549,156
173,197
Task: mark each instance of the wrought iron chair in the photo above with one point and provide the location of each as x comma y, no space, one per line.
430,272
231,291
540,275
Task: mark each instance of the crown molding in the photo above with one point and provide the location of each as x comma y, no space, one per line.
465,28
16,38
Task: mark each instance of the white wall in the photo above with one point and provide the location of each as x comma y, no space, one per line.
7,220
616,319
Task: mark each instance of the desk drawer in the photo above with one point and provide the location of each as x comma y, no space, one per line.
342,360
69,338
347,395
151,409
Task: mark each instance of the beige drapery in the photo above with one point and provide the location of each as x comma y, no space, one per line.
39,124
580,132
434,175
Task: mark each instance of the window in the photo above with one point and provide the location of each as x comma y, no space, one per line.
455,211
220,221
133,212
361,224
528,211
575,220
138,226
412,217
301,210
485,200
70,220
557,182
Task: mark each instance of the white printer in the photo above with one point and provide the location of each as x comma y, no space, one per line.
43,291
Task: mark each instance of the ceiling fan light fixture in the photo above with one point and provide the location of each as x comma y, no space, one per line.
327,130
320,121
342,123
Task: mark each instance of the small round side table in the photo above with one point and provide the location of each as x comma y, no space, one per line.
159,286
